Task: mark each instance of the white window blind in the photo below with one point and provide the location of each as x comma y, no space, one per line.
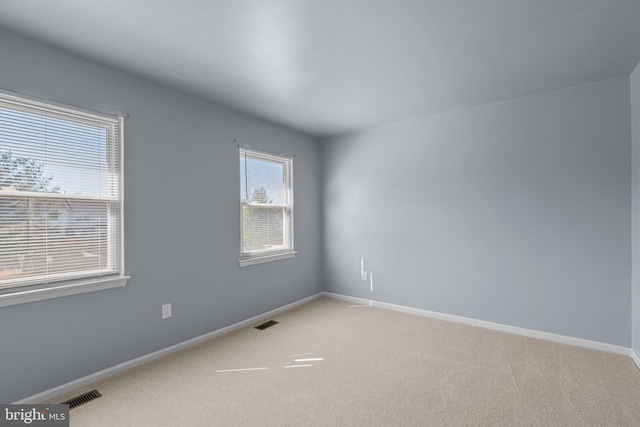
266,196
60,202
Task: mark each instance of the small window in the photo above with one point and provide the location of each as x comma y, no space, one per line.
266,207
60,201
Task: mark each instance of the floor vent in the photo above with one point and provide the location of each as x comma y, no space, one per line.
266,325
82,399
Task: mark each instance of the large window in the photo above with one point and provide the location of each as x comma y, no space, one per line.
60,201
266,196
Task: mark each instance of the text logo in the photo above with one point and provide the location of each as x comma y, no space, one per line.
34,415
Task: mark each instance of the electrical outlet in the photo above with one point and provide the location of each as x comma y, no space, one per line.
363,274
166,311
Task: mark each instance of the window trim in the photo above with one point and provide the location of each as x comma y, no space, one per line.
266,258
32,293
15,295
259,257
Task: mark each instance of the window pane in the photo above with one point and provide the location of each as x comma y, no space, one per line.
263,228
64,156
54,237
262,181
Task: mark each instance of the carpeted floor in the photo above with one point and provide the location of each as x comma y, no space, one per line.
330,363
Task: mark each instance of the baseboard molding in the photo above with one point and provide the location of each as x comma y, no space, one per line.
634,357
531,333
595,345
80,382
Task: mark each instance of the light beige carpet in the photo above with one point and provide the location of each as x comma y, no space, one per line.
372,367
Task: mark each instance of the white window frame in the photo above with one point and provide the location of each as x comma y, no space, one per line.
257,257
54,288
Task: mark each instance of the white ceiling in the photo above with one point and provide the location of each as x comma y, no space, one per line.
331,66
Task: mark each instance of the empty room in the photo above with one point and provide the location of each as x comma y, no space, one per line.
305,212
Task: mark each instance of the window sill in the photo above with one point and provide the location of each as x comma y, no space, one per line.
267,258
37,293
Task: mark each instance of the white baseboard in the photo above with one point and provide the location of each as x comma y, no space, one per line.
563,339
51,393
634,357
48,394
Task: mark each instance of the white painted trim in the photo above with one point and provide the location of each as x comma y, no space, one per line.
51,393
267,258
60,290
634,357
562,339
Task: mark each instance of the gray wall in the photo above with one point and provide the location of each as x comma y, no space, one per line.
517,212
635,226
182,222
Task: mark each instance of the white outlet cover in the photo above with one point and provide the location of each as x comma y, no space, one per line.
166,311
